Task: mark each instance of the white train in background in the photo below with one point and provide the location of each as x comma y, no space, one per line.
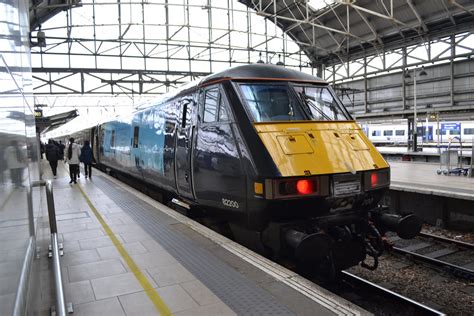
397,133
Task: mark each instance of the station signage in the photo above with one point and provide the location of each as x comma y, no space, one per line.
450,126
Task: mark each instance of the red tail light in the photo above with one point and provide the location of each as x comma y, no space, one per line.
305,187
292,188
374,180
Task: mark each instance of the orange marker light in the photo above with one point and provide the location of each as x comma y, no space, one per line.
304,187
374,179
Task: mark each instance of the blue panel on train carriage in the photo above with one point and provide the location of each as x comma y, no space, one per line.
152,141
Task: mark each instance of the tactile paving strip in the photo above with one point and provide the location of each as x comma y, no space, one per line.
242,295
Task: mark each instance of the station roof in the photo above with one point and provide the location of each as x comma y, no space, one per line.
346,29
343,30
42,10
49,123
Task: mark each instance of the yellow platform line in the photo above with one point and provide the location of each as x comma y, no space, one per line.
160,305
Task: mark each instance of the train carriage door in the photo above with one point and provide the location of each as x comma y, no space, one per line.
135,144
184,147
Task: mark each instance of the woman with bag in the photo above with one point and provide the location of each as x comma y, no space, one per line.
73,153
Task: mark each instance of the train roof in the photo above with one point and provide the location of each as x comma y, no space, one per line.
262,72
245,72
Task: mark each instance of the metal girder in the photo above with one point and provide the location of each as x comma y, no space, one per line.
377,14
437,50
346,40
454,2
108,81
371,27
415,12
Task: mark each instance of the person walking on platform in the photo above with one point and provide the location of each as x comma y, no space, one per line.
73,153
61,149
53,154
79,168
86,158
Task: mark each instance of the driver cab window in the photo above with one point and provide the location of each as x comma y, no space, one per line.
320,103
270,102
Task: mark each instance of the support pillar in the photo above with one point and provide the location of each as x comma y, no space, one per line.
451,78
404,91
366,102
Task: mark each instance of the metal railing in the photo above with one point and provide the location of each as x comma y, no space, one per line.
58,280
19,308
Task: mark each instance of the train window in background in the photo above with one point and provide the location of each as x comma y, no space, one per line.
376,133
400,132
135,136
388,133
321,104
469,131
210,105
443,132
454,132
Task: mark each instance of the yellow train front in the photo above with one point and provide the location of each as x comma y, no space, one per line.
270,152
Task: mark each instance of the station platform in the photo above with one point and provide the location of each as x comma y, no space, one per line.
425,154
441,200
422,178
126,254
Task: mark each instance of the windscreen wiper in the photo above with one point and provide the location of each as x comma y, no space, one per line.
308,100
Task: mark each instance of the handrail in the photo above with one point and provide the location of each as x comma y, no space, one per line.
19,308
58,280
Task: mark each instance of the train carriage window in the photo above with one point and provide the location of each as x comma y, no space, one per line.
185,114
210,105
454,132
135,136
469,131
376,133
443,132
112,139
223,116
388,133
400,132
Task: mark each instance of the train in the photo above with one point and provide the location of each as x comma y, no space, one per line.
397,133
270,153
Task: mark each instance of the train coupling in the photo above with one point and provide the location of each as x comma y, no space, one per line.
406,227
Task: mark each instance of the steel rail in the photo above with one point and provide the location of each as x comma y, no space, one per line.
452,268
447,240
420,308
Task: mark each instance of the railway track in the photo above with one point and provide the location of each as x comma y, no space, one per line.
404,305
441,250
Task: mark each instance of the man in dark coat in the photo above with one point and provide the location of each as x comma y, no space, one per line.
86,157
61,147
53,154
